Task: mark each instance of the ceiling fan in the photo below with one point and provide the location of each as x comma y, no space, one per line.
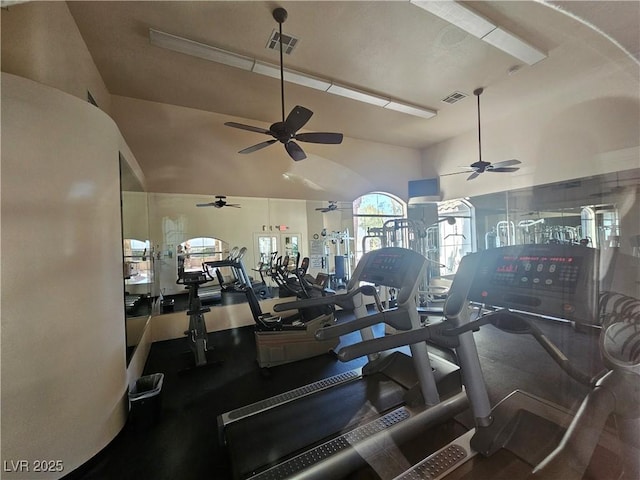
219,203
332,207
480,166
286,130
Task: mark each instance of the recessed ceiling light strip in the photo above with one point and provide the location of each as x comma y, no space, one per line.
208,52
357,95
290,76
478,26
200,50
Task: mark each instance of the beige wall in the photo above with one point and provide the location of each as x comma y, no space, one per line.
63,341
41,41
60,225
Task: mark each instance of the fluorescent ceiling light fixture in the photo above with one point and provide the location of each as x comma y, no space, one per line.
200,50
511,44
357,95
457,14
11,3
478,26
416,111
208,52
291,76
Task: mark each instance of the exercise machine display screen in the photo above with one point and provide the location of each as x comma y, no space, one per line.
560,281
392,267
559,273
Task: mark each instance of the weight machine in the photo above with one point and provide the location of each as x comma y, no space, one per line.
415,235
340,243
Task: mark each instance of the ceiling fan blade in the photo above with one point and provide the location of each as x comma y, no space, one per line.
212,204
505,163
320,137
297,119
295,151
248,127
258,146
503,169
473,175
234,205
454,173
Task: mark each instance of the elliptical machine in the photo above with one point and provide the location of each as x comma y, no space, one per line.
197,332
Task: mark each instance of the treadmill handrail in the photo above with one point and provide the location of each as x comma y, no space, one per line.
344,300
389,317
387,342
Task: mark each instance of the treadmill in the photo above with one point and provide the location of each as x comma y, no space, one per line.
523,436
330,427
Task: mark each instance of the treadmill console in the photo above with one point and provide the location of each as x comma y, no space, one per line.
560,281
392,267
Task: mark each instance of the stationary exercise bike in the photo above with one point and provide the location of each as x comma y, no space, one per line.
197,332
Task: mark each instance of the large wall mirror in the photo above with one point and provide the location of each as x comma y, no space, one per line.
599,212
138,267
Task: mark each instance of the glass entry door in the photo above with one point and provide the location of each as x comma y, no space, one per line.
269,246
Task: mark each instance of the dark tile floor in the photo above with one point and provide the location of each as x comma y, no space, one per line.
183,444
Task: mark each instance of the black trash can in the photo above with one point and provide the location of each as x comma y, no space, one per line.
146,401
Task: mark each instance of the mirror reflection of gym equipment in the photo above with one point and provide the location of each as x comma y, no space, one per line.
336,257
279,339
138,275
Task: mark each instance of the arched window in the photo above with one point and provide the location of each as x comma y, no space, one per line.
194,252
370,212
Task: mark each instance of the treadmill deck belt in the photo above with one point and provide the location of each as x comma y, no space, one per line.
263,439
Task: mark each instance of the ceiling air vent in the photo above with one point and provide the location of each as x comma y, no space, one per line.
454,97
288,42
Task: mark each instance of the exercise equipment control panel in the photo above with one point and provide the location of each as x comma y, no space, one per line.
391,267
560,281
